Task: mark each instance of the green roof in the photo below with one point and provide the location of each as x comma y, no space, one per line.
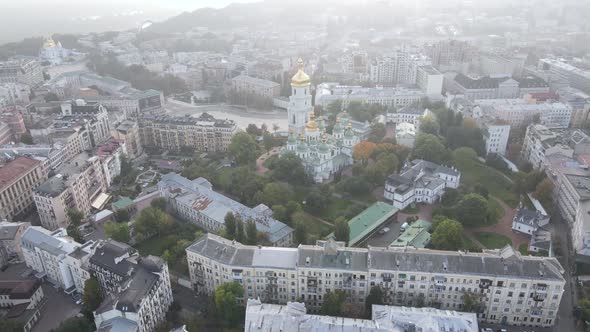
122,203
415,235
368,220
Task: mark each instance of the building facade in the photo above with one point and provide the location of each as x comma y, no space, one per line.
10,237
255,86
128,132
511,288
18,179
27,71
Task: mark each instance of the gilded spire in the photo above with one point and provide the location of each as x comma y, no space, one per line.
300,79
311,125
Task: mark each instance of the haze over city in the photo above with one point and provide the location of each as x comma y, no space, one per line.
279,165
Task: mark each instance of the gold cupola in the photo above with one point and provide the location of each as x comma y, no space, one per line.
311,125
300,79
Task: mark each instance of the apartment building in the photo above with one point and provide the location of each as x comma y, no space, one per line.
559,69
451,54
327,93
495,134
256,86
57,258
51,156
511,288
128,132
142,299
22,300
196,201
112,264
518,112
420,181
491,87
5,133
541,142
573,201
430,81
18,179
110,153
408,114
27,71
10,237
204,133
13,117
264,317
91,118
77,185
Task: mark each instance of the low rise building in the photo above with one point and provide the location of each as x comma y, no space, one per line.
491,87
409,114
263,317
366,223
23,299
57,258
204,133
255,86
18,179
512,289
415,235
528,221
197,202
405,134
420,181
10,237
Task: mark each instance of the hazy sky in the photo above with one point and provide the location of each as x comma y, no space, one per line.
26,18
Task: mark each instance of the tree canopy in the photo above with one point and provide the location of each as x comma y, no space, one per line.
152,221
429,125
363,151
92,295
225,298
243,148
375,297
333,304
472,210
117,231
342,230
429,147
75,324
447,235
289,168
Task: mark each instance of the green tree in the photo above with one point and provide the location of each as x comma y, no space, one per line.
230,226
159,203
429,147
354,185
447,235
51,97
315,202
226,303
472,303
7,325
75,216
152,221
544,191
75,324
333,304
268,140
429,125
243,148
122,215
377,133
288,168
275,193
240,236
251,233
375,297
472,210
279,212
92,295
299,233
26,138
117,231
342,230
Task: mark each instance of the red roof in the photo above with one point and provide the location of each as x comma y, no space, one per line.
13,170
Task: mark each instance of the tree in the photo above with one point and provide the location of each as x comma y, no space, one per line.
377,133
429,147
315,202
354,185
333,303
289,168
472,303
75,216
472,210
240,236
159,203
375,297
342,230
275,127
26,138
226,303
122,215
251,233
152,221
275,193
363,151
544,191
92,295
450,197
7,325
300,233
429,125
253,130
75,324
268,140
117,231
447,235
279,212
230,226
243,148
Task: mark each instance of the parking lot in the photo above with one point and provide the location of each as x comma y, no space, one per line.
384,240
58,308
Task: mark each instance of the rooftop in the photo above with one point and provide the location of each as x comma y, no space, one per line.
15,169
256,81
415,235
372,217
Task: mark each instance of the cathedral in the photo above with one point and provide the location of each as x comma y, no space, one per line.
322,154
53,52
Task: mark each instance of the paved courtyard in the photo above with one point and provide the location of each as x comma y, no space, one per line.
58,308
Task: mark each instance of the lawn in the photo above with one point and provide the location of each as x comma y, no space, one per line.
340,207
316,227
492,240
469,245
474,172
524,249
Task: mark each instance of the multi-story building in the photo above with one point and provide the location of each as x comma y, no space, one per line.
57,258
263,317
541,142
92,118
5,133
327,93
408,114
10,237
196,201
18,179
204,133
573,201
77,184
518,112
493,87
512,289
420,181
112,265
560,69
255,86
15,93
495,134
142,300
451,54
51,156
14,119
128,132
27,71
430,81
22,299
110,154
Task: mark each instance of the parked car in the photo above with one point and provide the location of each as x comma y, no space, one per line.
384,230
487,329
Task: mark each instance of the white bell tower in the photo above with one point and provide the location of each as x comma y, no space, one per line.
300,100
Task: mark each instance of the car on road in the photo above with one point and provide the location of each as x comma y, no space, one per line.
487,329
384,230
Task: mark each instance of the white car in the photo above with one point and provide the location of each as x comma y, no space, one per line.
487,329
384,230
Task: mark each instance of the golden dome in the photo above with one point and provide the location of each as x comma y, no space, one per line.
311,125
300,78
49,43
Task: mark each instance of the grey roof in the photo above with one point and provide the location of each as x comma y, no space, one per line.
106,257
139,286
343,259
541,239
423,319
581,184
199,194
421,174
118,324
412,109
529,217
49,241
52,187
8,230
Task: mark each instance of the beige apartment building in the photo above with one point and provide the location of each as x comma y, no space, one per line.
128,132
511,288
255,86
77,185
18,179
204,133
